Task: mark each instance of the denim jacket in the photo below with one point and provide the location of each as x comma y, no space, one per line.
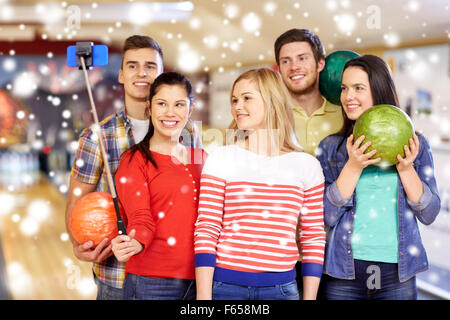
339,213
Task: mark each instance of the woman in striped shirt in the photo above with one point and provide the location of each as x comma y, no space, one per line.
253,193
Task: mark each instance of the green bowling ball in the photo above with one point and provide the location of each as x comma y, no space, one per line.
330,77
388,128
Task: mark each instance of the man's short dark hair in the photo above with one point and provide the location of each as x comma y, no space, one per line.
141,42
298,35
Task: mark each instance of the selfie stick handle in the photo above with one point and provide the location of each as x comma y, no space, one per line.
96,128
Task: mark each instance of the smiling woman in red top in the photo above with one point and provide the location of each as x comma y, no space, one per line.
157,184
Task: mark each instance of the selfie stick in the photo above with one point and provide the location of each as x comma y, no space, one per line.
83,51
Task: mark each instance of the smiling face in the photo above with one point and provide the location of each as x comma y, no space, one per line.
139,70
298,67
247,105
170,110
356,95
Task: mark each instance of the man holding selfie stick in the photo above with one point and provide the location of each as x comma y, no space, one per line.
142,62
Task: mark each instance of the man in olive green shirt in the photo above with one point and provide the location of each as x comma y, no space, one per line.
321,123
300,57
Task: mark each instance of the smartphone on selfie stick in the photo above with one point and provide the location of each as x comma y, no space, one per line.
86,55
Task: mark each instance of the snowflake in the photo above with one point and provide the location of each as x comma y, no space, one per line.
265,214
80,162
9,64
270,8
235,227
428,171
326,126
29,226
171,241
231,11
8,202
409,214
251,22
434,277
347,226
184,188
248,190
318,152
413,250
39,210
86,286
77,192
64,236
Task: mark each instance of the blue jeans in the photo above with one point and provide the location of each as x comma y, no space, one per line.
228,291
144,288
105,292
374,281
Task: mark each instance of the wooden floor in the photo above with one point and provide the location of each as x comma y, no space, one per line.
38,256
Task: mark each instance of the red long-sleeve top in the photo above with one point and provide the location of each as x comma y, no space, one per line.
161,205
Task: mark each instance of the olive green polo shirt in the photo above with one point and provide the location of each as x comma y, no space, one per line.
326,120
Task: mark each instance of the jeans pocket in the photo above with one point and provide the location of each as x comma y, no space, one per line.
289,289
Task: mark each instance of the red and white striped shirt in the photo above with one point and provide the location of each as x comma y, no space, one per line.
249,209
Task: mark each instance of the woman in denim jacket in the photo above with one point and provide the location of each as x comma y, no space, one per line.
374,248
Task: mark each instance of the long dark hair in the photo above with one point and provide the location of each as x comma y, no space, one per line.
381,85
171,79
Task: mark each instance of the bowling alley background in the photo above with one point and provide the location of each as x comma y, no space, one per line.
44,103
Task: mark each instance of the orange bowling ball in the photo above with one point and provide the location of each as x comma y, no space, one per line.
93,218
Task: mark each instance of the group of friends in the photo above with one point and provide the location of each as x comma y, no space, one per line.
292,208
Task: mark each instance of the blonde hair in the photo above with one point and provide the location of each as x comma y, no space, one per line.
278,114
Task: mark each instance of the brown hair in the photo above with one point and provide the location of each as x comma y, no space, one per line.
140,42
299,35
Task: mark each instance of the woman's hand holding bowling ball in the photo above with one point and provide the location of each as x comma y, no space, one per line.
411,153
412,183
85,252
125,246
357,158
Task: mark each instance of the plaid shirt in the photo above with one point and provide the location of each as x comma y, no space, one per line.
118,138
